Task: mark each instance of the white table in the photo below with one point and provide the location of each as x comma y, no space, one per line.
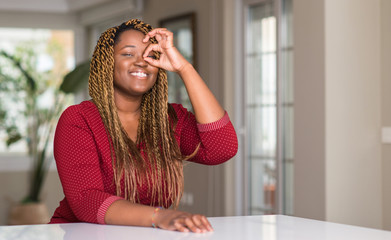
272,227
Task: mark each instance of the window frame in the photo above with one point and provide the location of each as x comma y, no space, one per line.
241,114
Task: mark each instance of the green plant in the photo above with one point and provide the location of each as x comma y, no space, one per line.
75,80
29,88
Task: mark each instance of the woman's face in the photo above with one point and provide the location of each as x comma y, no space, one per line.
132,75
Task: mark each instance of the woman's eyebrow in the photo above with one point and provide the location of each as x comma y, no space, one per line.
128,46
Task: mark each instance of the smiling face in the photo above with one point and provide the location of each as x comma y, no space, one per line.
132,75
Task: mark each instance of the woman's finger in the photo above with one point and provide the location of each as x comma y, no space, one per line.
162,31
159,34
207,223
152,61
199,224
190,225
167,35
151,34
149,54
150,49
180,227
155,30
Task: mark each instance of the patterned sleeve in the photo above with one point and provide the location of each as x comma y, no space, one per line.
218,140
78,166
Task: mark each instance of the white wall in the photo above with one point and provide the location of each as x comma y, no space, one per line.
309,117
353,160
386,110
13,188
338,166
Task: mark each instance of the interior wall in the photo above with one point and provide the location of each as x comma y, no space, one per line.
204,188
338,167
385,107
309,117
353,164
13,189
37,20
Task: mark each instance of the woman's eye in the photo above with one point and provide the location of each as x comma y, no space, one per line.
127,54
152,56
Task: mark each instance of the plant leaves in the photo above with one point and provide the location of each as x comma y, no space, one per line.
77,78
30,81
13,135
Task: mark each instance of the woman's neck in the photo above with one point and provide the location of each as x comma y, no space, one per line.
127,105
129,114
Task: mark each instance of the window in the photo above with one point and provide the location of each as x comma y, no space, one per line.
286,105
269,107
48,55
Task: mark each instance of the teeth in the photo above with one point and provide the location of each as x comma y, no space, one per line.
138,74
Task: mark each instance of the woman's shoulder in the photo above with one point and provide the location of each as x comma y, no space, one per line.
84,106
85,109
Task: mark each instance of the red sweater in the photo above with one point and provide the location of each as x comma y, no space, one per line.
83,158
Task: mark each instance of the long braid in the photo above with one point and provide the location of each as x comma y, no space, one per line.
155,134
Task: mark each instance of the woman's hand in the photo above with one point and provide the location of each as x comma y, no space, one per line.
182,221
206,107
170,58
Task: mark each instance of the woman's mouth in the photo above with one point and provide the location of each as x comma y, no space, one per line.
139,74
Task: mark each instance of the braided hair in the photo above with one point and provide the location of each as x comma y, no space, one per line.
163,167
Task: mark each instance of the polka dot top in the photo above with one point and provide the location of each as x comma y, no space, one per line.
83,158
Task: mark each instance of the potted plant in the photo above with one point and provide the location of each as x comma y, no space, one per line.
30,90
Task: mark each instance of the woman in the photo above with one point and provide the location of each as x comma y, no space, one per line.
120,155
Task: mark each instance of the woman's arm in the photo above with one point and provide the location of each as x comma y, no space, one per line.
206,107
79,166
216,141
123,212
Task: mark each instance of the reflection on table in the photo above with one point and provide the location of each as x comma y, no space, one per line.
270,227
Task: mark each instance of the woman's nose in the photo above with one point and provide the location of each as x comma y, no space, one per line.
141,62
